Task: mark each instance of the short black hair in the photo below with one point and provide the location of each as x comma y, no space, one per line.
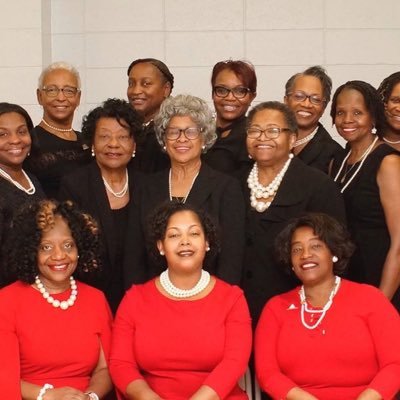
6,108
328,230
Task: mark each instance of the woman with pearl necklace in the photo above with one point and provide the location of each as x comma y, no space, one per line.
185,334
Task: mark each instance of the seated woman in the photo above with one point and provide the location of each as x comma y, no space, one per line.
185,128
48,324
389,91
105,187
185,334
150,82
58,148
16,186
277,188
234,86
330,338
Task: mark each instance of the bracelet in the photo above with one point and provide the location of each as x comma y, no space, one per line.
92,395
45,387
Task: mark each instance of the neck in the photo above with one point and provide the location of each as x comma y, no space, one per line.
185,281
358,148
54,288
317,294
189,169
61,124
113,174
267,172
392,134
14,171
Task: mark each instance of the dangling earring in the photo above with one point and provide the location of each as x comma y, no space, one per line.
93,153
133,154
335,259
373,130
250,156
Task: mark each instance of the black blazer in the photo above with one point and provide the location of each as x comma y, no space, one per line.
86,188
321,150
303,189
216,193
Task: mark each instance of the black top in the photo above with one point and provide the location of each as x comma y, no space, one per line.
149,154
52,157
229,154
303,189
216,193
320,150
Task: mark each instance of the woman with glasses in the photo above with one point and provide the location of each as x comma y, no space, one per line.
277,188
234,85
106,187
185,129
57,148
307,94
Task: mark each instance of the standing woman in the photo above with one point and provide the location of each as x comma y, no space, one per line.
58,148
389,91
16,186
106,186
150,82
234,86
369,178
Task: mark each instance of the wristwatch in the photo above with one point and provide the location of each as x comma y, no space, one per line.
92,396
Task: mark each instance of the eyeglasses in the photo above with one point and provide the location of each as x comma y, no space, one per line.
68,91
270,133
190,133
301,96
239,91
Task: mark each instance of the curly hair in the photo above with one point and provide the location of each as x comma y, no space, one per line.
190,106
117,109
372,102
26,233
158,222
328,230
386,87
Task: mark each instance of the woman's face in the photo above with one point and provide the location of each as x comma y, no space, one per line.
265,151
392,109
230,108
184,243
183,150
147,89
15,140
112,144
353,120
60,108
311,258
57,255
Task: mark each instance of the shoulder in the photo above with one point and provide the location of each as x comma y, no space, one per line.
307,173
226,290
13,289
220,179
91,292
282,304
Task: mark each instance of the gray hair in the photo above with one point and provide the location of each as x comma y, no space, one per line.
188,106
59,65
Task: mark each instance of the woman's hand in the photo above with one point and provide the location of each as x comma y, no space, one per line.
369,394
299,394
65,393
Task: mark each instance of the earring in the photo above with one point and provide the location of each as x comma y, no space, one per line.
335,259
93,153
133,154
208,248
164,148
161,253
203,147
250,156
373,130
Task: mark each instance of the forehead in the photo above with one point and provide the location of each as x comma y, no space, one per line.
181,120
59,229
145,70
111,124
351,97
396,90
60,77
269,117
303,233
11,118
308,84
228,76
183,219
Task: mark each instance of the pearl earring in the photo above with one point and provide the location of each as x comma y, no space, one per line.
161,253
93,153
133,154
335,259
208,248
373,130
165,148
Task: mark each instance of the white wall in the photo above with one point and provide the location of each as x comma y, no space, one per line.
353,39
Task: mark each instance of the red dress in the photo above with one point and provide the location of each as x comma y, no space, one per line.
355,347
176,346
59,347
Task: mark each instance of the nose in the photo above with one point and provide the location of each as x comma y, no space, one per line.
61,95
306,102
182,137
305,253
113,142
58,253
185,240
14,138
263,136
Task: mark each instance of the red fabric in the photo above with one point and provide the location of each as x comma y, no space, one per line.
178,346
355,347
55,346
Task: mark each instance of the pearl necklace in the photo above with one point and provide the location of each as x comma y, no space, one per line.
122,192
55,128
170,187
65,304
307,138
391,141
362,159
31,190
327,306
173,291
258,191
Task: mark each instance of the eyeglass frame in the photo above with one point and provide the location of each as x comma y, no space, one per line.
180,131
46,88
265,131
248,91
310,97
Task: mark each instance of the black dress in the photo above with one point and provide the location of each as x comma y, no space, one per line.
53,157
366,220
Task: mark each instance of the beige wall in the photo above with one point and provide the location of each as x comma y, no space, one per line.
353,39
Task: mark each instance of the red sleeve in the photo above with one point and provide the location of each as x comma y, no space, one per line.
384,325
270,378
123,366
105,327
9,350
237,350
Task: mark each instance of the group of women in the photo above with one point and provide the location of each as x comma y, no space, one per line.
186,206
